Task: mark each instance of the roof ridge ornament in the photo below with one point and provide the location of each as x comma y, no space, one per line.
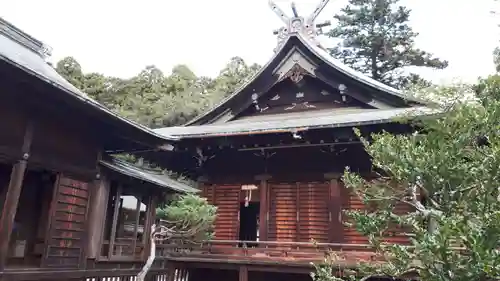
298,24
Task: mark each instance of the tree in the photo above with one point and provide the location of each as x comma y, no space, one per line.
71,70
453,165
186,219
377,40
155,99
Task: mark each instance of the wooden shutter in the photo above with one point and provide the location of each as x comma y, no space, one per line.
352,202
313,211
228,204
65,242
283,212
395,232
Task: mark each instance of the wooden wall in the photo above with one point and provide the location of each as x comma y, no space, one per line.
283,206
314,219
59,144
351,202
13,123
66,242
298,211
66,148
227,199
351,236
63,148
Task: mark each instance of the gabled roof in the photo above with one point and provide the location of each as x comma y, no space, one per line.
156,178
383,96
293,122
22,51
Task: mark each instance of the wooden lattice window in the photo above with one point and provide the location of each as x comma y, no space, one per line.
128,220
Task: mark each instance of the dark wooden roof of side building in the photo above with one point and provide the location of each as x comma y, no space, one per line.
153,177
21,53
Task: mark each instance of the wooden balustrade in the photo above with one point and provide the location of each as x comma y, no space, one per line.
91,275
124,249
266,250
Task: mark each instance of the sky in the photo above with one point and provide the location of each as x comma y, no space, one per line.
120,38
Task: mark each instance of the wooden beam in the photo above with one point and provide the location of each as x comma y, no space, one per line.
97,216
243,273
264,207
150,219
335,229
136,223
115,221
13,192
171,267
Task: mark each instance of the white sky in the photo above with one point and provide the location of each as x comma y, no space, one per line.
119,38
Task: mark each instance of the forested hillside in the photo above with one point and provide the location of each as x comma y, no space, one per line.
155,99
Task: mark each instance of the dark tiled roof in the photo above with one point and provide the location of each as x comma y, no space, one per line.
294,121
155,178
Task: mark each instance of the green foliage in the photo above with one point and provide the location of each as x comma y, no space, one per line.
153,99
455,165
496,59
190,214
377,40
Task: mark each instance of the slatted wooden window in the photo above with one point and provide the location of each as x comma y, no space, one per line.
66,243
350,201
128,221
283,212
226,198
314,215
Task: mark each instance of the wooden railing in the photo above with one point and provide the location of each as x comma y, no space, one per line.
88,275
123,249
266,250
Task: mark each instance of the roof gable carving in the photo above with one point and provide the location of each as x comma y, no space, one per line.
295,66
299,57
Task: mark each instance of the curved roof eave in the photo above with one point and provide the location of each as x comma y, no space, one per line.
157,179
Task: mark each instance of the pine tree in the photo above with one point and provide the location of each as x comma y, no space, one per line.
377,40
447,174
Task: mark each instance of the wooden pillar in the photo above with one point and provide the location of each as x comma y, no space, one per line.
243,276
115,221
335,229
171,271
97,216
264,207
12,197
150,220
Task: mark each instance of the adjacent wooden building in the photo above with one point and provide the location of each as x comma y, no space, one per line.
270,157
69,211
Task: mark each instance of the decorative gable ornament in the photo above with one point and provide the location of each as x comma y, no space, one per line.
298,24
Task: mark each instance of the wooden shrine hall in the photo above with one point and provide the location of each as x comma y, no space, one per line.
270,157
69,210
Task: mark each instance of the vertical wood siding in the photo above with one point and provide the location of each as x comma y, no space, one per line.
313,211
226,198
283,212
